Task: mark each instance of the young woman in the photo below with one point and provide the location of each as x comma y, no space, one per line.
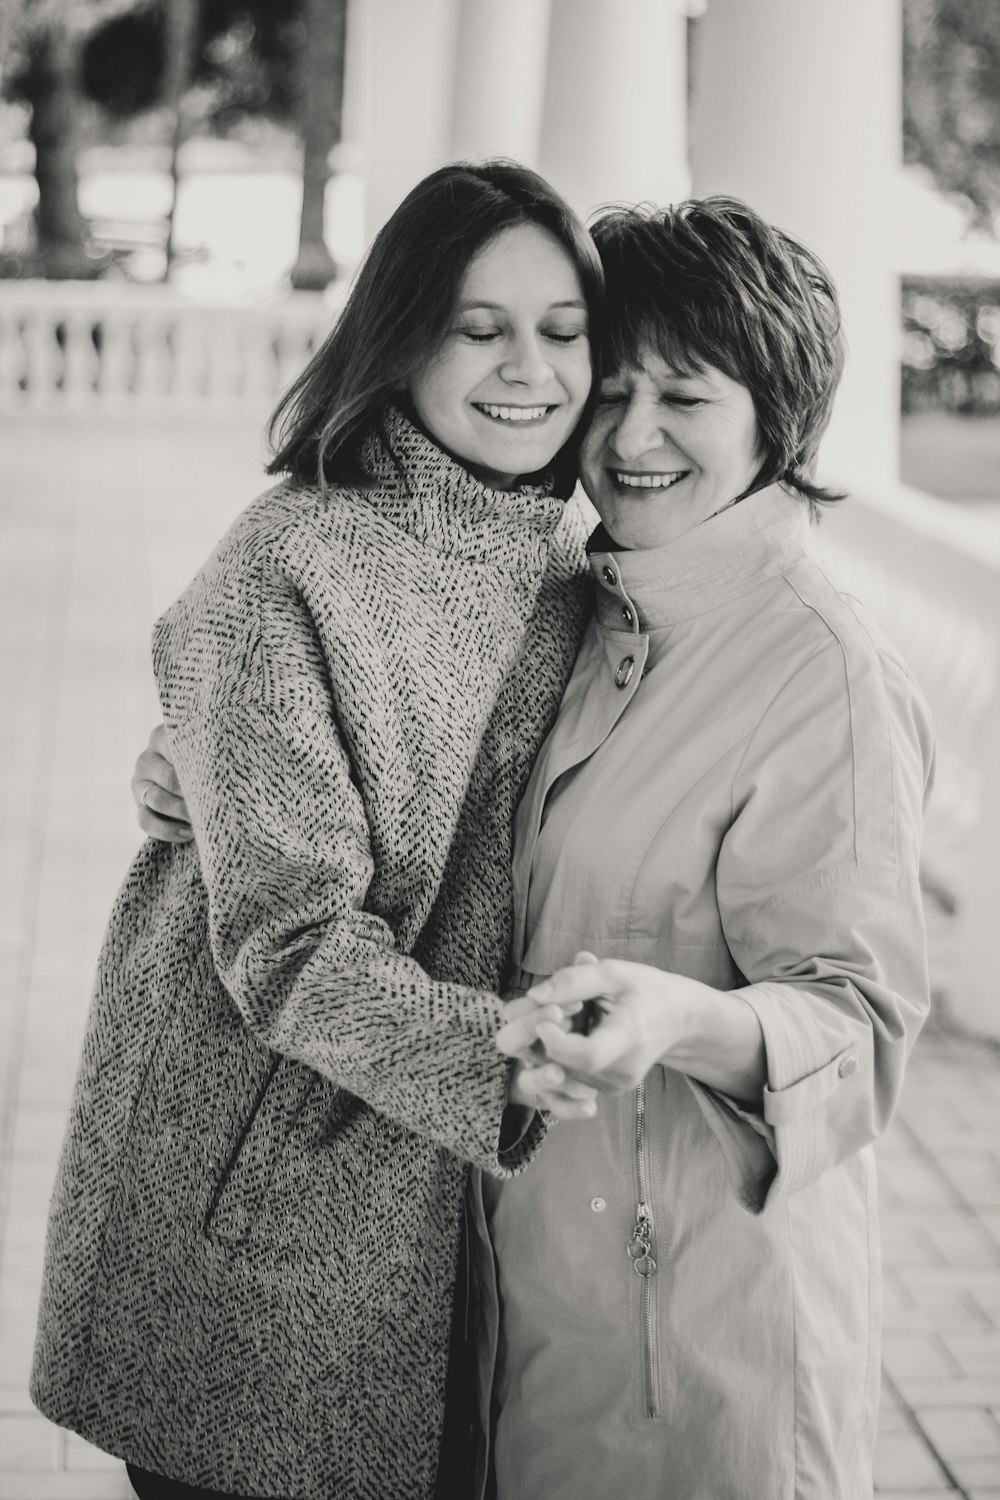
289,1058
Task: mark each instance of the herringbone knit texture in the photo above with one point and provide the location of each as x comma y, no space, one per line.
250,1263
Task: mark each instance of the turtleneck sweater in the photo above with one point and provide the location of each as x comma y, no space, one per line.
289,1058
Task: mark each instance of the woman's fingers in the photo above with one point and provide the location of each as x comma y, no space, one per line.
156,792
151,793
167,830
520,1028
588,979
547,1087
568,1049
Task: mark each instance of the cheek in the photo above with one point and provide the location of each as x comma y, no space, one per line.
590,449
433,396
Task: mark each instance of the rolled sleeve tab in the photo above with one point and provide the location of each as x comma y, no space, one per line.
784,1105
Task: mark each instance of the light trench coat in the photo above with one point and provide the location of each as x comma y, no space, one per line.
680,1299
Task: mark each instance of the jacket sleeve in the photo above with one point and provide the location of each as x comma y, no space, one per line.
818,887
286,858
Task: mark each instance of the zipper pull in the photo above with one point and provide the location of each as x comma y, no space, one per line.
640,1246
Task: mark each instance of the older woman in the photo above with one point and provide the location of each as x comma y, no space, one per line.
720,839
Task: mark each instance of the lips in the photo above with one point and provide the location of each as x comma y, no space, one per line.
514,416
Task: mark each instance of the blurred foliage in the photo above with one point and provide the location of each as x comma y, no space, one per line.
951,344
247,62
951,99
247,59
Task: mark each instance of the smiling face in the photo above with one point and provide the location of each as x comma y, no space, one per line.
506,389
666,451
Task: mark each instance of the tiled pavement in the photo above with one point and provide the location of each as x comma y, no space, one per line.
100,523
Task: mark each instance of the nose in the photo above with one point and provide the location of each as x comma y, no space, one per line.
526,362
638,429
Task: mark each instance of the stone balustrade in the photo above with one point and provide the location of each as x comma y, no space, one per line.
106,347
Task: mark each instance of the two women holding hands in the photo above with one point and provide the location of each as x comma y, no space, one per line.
715,862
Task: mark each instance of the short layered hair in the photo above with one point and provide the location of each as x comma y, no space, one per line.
400,309
709,283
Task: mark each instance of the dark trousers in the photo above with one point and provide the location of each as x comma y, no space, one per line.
154,1487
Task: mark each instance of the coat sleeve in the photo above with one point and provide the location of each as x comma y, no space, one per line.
818,887
286,858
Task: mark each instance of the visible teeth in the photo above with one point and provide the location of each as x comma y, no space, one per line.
515,413
648,481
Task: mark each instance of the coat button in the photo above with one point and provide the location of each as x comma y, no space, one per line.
625,669
598,1205
610,576
627,615
847,1067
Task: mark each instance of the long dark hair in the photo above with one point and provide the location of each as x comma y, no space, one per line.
399,310
709,282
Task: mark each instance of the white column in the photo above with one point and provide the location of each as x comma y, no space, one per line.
405,51
614,125
797,110
500,79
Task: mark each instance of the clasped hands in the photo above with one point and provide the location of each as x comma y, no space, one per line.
560,1069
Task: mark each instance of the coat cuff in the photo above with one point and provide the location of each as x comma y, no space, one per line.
514,1156
802,1075
746,1142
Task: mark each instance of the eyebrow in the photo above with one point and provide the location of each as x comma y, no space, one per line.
674,378
576,303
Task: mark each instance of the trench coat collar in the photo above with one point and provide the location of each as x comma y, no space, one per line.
722,559
426,493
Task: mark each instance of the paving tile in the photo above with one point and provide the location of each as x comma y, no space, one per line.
14,1400
914,1183
922,1391
80,1455
31,1485
963,1434
29,1442
975,1354
921,1355
982,1473
962,1240
903,1459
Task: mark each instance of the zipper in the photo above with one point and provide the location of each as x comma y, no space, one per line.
640,1252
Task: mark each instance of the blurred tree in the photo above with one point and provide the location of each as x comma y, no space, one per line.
951,99
44,41
255,57
181,22
245,63
321,94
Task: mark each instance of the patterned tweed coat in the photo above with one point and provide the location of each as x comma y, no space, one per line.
289,1057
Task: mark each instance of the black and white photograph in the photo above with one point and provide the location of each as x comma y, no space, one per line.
500,749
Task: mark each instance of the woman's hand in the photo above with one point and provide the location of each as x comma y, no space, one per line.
631,1030
157,793
644,1016
537,1084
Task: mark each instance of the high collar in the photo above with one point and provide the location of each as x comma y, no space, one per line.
426,493
722,559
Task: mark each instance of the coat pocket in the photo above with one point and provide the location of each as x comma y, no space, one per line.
243,1185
